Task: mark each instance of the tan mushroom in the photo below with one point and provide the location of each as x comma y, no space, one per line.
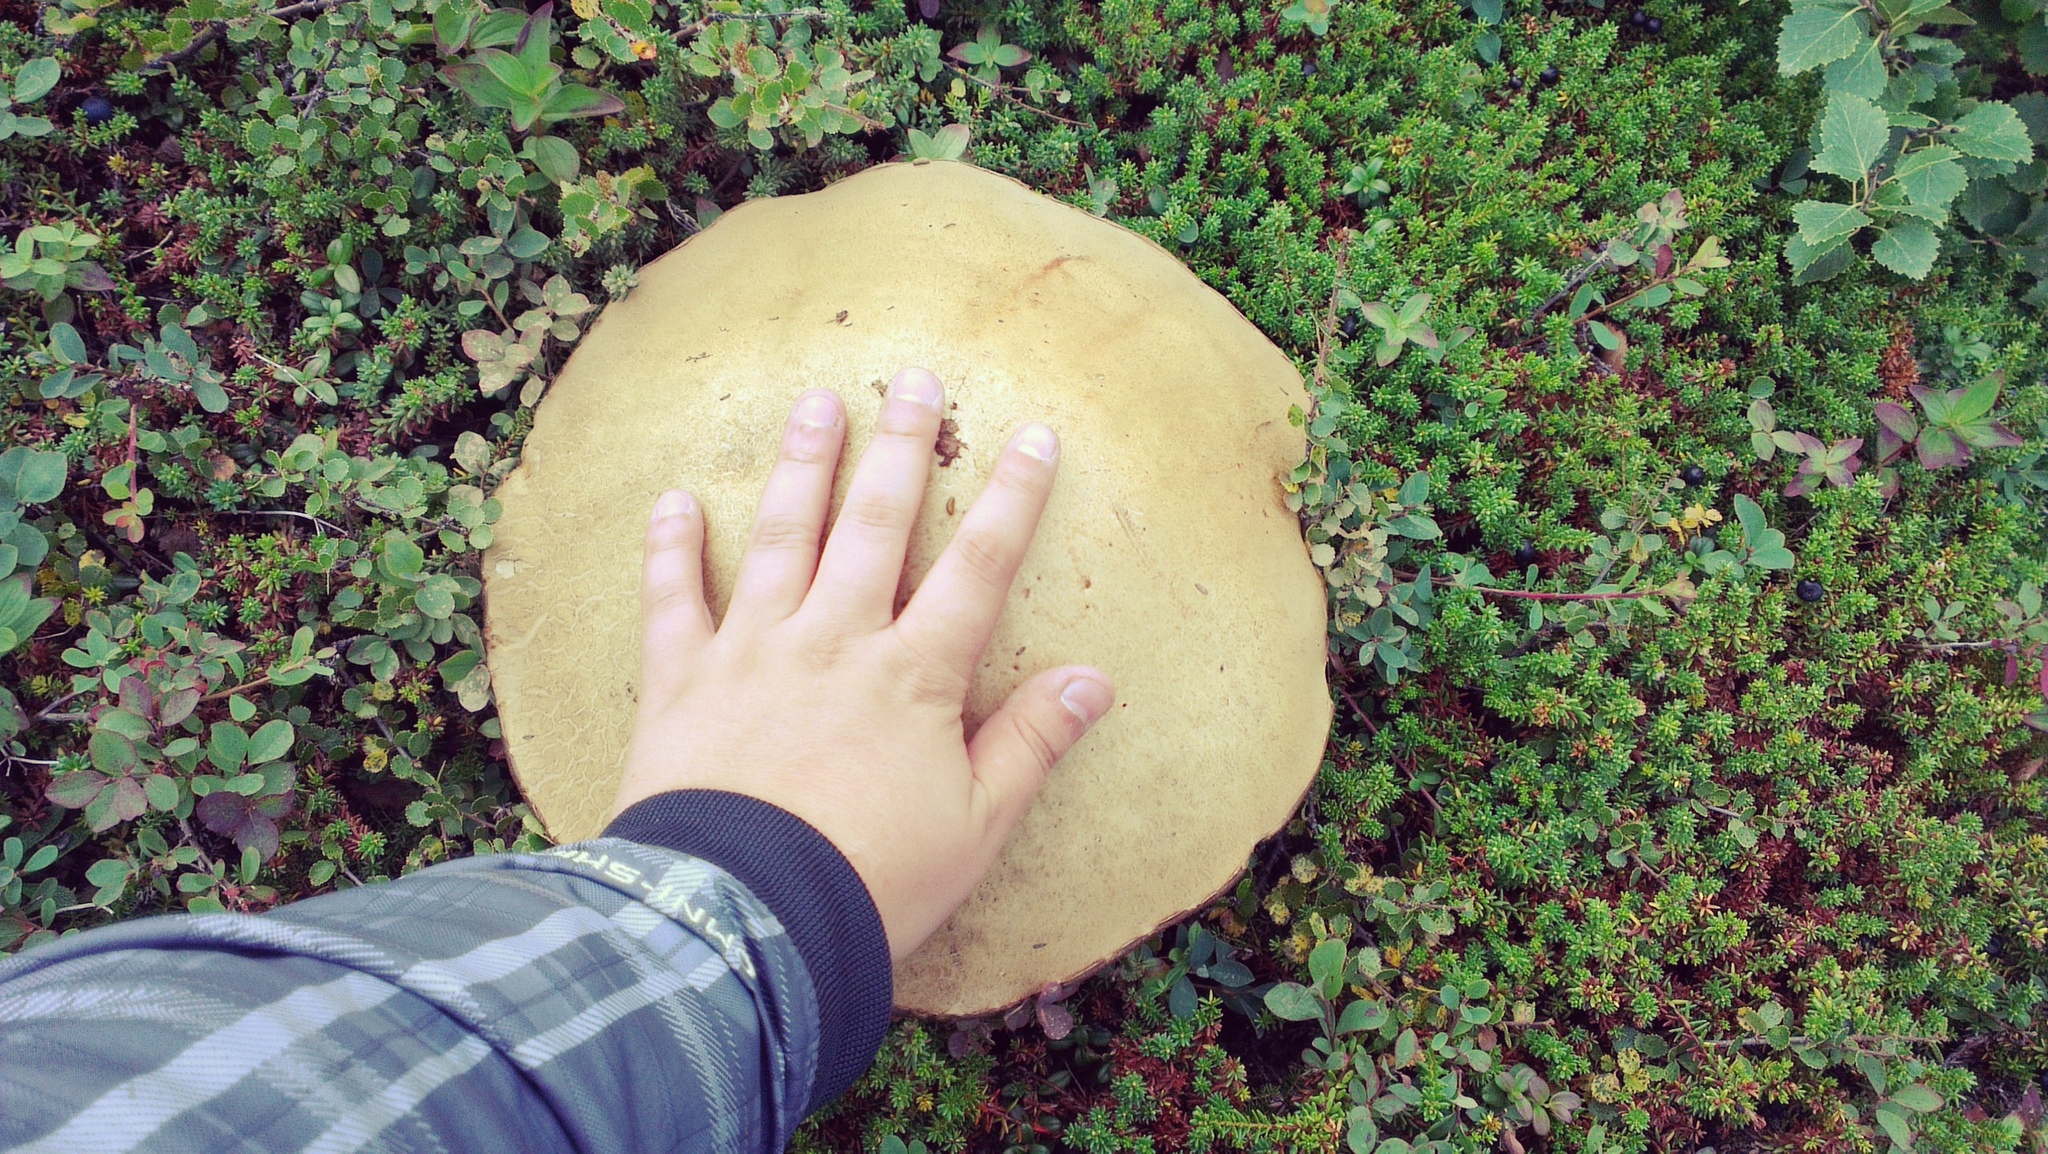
1166,557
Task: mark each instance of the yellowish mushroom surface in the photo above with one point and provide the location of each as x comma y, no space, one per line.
1166,557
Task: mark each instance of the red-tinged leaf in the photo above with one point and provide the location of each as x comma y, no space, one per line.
138,698
1802,484
1990,435
76,789
1055,1020
1663,265
1809,444
2044,678
477,83
90,277
581,100
1898,418
1896,428
252,822
176,707
930,8
965,53
534,36
1009,56
130,799
2012,669
1939,449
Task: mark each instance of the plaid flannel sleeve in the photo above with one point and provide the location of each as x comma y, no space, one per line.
612,995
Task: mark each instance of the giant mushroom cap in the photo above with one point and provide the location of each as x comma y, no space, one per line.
1166,557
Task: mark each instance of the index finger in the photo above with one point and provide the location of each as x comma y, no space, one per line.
954,612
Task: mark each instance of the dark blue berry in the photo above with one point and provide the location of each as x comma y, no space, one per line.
1811,590
1653,26
1515,83
98,110
1548,75
1307,69
1525,554
1348,326
1692,474
1638,17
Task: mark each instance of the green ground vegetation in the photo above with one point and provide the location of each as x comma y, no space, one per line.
1676,467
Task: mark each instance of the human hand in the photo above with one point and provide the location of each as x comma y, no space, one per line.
814,697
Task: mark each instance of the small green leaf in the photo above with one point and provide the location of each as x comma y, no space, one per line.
1293,1002
161,791
1907,248
226,746
1992,131
271,742
1821,221
112,753
67,344
1816,262
42,475
1861,73
35,79
1853,134
1930,176
1814,35
1894,1124
1917,1098
1326,965
402,556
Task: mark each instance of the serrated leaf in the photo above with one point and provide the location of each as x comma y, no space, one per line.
1853,134
1907,248
1821,221
1817,34
1808,260
1930,176
1860,73
1992,131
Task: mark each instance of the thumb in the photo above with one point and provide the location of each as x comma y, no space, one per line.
1017,746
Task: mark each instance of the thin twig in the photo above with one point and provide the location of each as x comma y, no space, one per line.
1532,595
1003,92
214,29
694,27
330,526
234,689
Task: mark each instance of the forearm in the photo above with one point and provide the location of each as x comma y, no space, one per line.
605,996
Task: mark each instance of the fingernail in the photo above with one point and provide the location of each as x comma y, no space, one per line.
674,503
1038,442
918,387
817,411
1087,699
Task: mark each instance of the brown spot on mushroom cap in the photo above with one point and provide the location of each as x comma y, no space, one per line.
1172,413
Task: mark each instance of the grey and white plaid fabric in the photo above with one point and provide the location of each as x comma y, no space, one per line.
604,996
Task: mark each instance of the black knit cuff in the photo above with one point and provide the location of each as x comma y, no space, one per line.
812,890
